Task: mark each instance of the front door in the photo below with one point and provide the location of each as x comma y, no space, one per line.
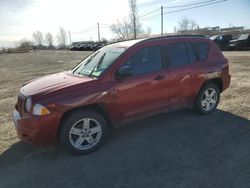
145,91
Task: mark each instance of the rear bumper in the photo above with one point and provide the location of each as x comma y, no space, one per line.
38,130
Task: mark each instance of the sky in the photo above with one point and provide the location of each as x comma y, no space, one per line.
20,18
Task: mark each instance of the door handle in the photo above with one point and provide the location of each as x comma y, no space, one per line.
159,77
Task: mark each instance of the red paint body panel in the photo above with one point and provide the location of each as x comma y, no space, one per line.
124,99
39,130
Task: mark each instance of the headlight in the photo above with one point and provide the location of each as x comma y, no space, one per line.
40,110
28,104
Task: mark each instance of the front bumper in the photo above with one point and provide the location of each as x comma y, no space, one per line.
38,130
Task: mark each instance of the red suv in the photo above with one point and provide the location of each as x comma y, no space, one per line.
118,83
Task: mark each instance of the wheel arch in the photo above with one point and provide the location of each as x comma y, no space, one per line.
217,81
214,81
96,107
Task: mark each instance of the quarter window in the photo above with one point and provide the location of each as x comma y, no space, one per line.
146,60
201,50
177,54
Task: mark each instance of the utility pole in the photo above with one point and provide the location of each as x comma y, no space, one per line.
69,38
161,20
134,25
98,32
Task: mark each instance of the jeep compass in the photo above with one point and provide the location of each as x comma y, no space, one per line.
119,83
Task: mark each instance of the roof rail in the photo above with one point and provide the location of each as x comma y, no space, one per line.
177,36
161,37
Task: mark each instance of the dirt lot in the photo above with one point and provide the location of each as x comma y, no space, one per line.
16,69
162,151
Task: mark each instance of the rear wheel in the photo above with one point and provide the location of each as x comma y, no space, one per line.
83,132
207,99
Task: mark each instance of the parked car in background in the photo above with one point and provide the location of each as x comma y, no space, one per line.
73,48
119,83
221,41
87,46
241,43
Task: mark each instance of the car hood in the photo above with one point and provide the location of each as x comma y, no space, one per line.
54,82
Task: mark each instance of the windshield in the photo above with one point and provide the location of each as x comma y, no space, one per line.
213,37
243,36
99,61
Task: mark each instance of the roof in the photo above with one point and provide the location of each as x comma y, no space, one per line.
128,43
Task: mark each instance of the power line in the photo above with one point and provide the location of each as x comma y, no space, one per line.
105,24
187,5
150,17
151,12
189,8
180,10
87,30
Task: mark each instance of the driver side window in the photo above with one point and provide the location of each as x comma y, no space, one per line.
146,60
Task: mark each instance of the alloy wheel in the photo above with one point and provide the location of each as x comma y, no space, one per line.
85,133
209,99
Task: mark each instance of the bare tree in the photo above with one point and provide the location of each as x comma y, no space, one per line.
38,38
185,25
62,37
122,29
129,27
193,24
148,32
26,44
104,40
49,39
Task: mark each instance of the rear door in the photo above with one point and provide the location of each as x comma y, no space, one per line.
202,65
180,59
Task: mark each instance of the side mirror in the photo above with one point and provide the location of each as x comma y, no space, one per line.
124,71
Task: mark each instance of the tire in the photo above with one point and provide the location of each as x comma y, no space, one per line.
83,132
207,99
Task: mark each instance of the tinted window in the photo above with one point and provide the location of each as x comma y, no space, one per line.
227,37
191,53
201,50
146,60
177,54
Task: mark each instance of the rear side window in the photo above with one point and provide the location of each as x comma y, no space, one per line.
176,54
146,60
201,50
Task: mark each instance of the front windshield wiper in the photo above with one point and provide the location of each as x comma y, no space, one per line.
89,59
97,64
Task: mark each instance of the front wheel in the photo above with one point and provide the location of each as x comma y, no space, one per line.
83,132
207,99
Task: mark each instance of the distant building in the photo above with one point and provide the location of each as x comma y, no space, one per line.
216,30
232,29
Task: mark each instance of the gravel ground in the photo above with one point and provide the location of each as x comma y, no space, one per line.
180,149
